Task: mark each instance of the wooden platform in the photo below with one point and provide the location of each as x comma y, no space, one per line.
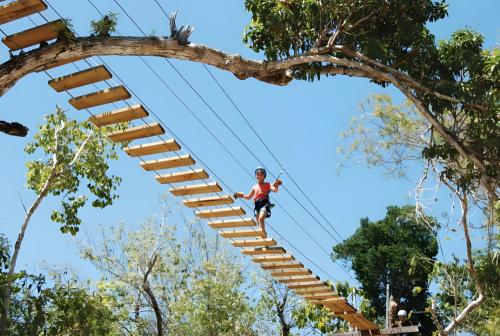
19,9
118,116
102,97
263,251
138,132
196,189
184,176
208,201
242,233
36,35
153,148
80,78
254,242
281,265
264,259
167,163
224,212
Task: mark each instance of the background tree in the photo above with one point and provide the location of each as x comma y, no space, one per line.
396,138
457,288
168,282
67,307
72,154
387,42
389,251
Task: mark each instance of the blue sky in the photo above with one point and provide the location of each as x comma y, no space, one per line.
300,123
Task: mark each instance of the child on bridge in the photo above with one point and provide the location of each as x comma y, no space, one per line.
260,194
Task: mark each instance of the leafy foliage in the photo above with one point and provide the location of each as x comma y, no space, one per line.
66,308
105,26
72,154
197,283
457,289
395,34
391,250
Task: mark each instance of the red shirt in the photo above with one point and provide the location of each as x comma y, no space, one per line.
261,190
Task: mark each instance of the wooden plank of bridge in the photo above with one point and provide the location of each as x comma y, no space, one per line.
169,145
265,259
299,285
19,9
242,233
208,201
281,265
232,223
196,189
167,163
281,273
184,176
302,279
33,36
319,296
272,250
80,78
119,116
314,290
138,132
338,306
254,242
224,212
359,321
102,97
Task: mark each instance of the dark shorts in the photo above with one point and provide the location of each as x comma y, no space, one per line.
263,204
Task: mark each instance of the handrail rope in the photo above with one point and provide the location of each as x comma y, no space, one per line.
225,124
203,163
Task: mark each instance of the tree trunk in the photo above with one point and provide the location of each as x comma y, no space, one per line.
17,247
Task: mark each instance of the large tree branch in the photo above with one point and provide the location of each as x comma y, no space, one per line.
43,192
474,304
273,72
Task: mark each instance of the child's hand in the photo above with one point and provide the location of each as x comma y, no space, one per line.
238,194
278,182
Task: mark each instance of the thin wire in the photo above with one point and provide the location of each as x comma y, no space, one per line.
268,149
180,140
227,126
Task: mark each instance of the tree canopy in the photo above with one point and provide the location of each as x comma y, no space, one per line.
391,250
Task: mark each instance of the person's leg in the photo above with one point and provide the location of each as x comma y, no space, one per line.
261,218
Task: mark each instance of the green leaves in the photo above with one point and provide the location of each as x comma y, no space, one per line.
386,250
72,155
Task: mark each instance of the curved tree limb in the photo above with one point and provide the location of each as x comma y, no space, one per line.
273,72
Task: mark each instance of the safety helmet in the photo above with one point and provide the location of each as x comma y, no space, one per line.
261,169
402,313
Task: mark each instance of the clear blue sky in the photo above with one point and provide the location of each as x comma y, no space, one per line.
301,124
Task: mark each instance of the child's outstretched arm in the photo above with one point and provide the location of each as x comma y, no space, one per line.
276,185
242,195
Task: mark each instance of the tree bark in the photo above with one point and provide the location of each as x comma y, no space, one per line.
152,298
17,247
